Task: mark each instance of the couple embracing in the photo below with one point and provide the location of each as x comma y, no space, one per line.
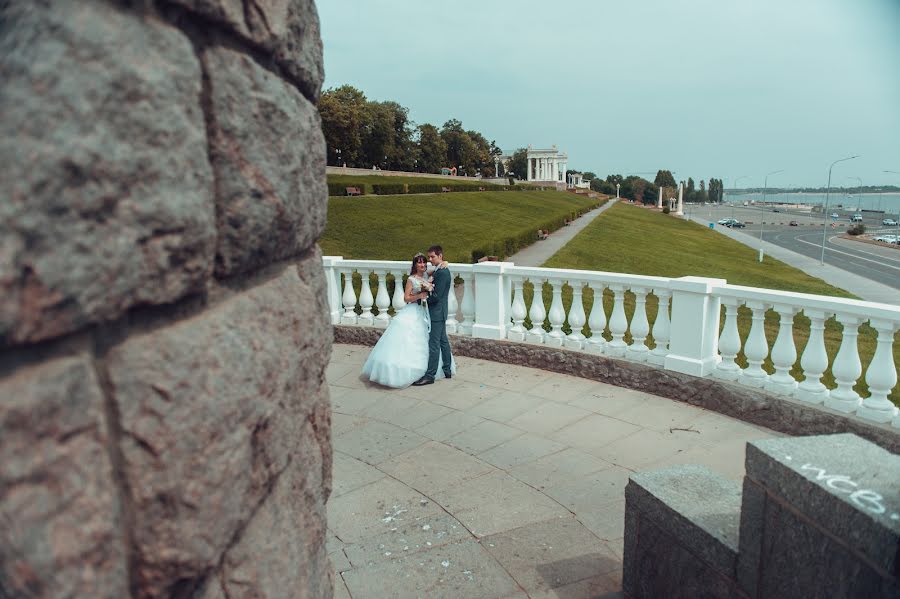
414,349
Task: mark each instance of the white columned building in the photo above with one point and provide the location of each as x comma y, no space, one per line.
546,166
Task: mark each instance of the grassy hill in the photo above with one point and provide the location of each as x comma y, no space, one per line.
366,182
467,224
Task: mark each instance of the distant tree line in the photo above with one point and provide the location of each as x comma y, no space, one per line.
638,189
364,133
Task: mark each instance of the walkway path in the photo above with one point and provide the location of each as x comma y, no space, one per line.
505,481
862,287
539,252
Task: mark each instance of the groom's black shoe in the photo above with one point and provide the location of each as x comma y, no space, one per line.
425,380
448,375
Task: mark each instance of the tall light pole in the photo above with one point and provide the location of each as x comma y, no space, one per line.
825,209
898,208
735,187
763,203
857,193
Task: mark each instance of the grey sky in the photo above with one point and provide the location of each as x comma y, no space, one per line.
706,88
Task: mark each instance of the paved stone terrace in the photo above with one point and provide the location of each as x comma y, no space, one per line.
505,481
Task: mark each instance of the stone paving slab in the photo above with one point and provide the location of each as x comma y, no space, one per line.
518,458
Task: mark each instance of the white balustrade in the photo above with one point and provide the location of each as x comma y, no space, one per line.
537,313
881,376
729,342
618,323
452,309
756,348
493,305
597,321
517,311
784,354
382,300
661,329
640,327
847,367
468,303
348,299
814,360
557,316
577,318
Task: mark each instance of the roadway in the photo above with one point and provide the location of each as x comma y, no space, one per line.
873,262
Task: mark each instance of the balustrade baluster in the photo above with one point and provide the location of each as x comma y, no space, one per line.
784,353
661,328
729,342
638,350
517,311
557,316
452,309
382,301
365,300
618,323
348,299
398,301
577,318
846,368
537,313
814,360
881,376
756,348
597,321
468,304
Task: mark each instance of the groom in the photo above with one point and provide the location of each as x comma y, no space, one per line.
438,344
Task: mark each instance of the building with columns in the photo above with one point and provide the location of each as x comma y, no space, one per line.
546,165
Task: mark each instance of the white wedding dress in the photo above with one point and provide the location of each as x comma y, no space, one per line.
401,355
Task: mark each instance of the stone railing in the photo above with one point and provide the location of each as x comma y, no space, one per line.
496,300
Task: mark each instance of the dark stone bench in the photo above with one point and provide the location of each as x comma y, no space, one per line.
817,517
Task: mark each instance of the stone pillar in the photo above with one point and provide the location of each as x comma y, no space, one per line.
530,176
694,329
680,208
492,300
659,201
164,325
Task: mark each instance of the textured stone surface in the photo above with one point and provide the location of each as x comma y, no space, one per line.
107,190
60,516
217,413
847,540
287,30
749,405
268,153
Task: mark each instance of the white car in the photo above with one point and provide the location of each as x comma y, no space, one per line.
724,221
889,222
888,238
835,215
856,218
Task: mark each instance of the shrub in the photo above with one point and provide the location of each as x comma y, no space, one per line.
666,210
857,229
340,189
384,189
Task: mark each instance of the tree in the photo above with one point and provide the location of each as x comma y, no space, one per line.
518,164
664,179
588,176
701,195
431,150
343,112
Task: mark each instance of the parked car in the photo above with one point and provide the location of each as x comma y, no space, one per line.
835,215
724,221
776,210
889,222
856,218
794,223
888,238
736,224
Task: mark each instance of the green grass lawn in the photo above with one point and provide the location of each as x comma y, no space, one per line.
396,227
364,181
635,240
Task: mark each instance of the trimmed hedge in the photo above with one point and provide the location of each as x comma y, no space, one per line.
340,189
390,189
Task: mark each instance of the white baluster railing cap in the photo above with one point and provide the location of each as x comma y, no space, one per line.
825,303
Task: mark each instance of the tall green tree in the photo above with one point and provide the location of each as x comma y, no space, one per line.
344,114
518,164
431,149
664,179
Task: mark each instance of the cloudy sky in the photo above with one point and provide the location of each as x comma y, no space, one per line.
705,88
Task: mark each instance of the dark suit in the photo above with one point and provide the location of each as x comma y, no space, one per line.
438,344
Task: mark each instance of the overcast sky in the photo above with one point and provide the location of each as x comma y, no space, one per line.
705,88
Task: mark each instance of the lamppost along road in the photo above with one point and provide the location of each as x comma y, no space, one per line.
761,216
825,208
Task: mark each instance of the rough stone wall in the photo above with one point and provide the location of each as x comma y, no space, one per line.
164,421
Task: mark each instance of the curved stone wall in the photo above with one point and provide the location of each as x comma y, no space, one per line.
164,422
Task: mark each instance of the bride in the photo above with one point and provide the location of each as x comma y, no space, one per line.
401,355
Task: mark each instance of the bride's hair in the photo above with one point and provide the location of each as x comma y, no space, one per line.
420,257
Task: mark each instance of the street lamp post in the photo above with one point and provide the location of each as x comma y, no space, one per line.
761,205
825,209
735,187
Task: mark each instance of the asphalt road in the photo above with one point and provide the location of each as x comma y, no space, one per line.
881,264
